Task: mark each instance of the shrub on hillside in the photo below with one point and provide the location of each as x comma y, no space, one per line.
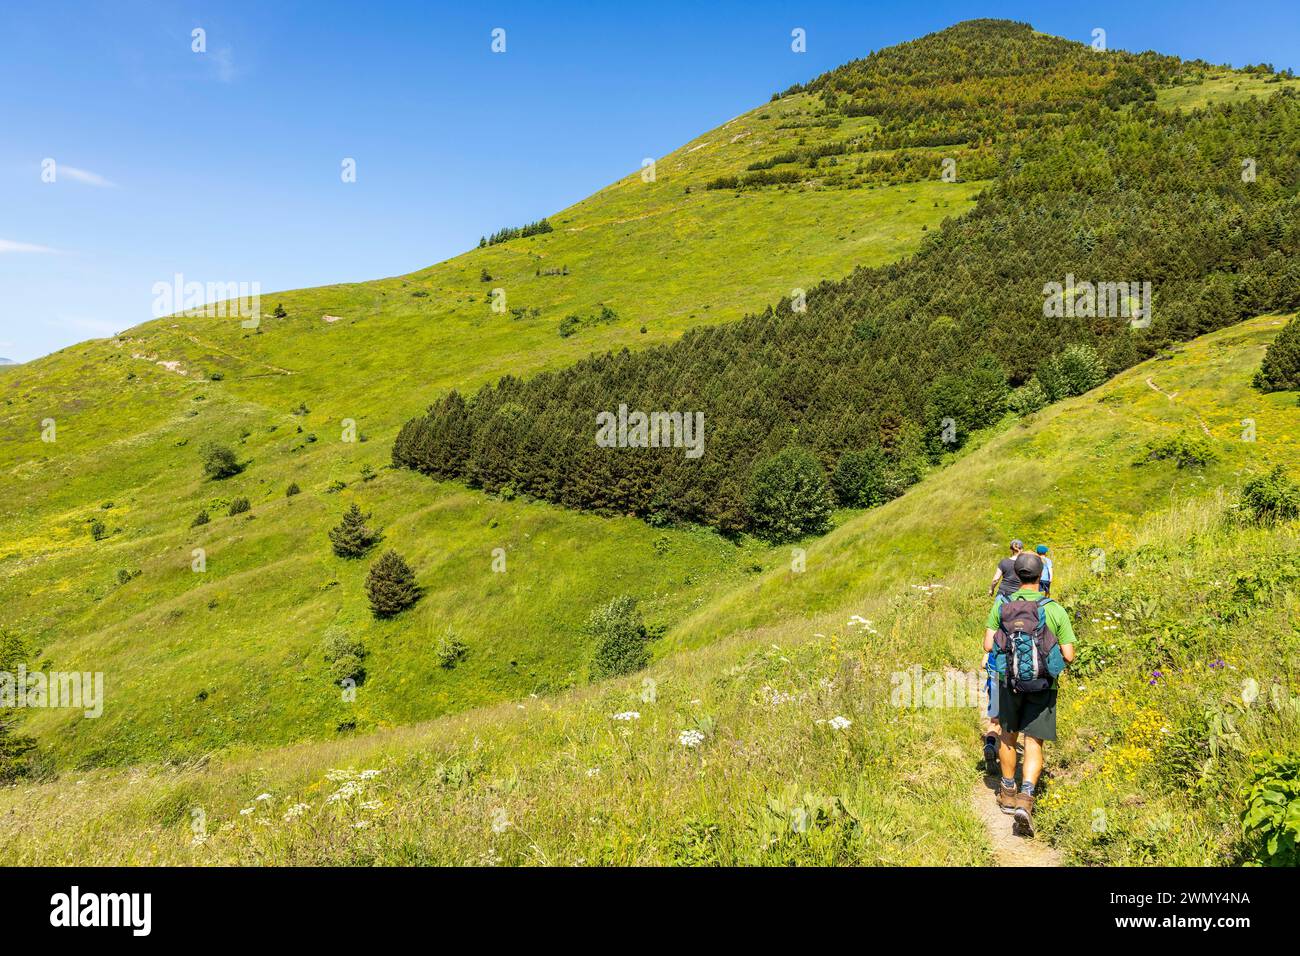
1280,370
200,519
98,531
789,496
859,479
390,585
351,537
238,507
451,650
219,461
1270,819
1071,372
344,654
622,640
1270,498
292,490
1028,398
1182,450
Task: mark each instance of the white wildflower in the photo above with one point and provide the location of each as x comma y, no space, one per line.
840,723
690,738
627,715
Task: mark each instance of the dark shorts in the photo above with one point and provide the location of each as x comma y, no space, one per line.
1031,714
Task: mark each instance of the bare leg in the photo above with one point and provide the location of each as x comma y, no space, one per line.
1007,755
1033,759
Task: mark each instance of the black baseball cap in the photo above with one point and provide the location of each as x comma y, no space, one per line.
1029,566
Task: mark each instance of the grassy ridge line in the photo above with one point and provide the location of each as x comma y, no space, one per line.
890,788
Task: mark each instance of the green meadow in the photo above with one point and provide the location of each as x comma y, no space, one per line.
1224,86
774,732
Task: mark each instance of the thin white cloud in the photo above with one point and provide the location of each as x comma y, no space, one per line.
9,245
84,176
225,63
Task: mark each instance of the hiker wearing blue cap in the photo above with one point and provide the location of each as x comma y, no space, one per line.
1046,583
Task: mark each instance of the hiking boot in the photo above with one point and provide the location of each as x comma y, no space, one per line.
1007,798
991,766
1023,825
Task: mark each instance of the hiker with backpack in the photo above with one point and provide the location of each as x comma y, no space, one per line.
1046,583
1004,584
1031,641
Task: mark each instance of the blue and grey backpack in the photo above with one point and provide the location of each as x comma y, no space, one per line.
1026,654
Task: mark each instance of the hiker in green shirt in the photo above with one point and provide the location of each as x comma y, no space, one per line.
1031,712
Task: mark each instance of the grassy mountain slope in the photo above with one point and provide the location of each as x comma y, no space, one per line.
197,661
902,362
761,673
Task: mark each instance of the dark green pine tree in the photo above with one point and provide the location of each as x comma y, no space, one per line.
351,537
390,585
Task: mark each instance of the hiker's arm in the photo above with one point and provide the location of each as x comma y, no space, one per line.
988,642
1065,637
997,579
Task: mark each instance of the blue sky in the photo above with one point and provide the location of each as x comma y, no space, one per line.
224,166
